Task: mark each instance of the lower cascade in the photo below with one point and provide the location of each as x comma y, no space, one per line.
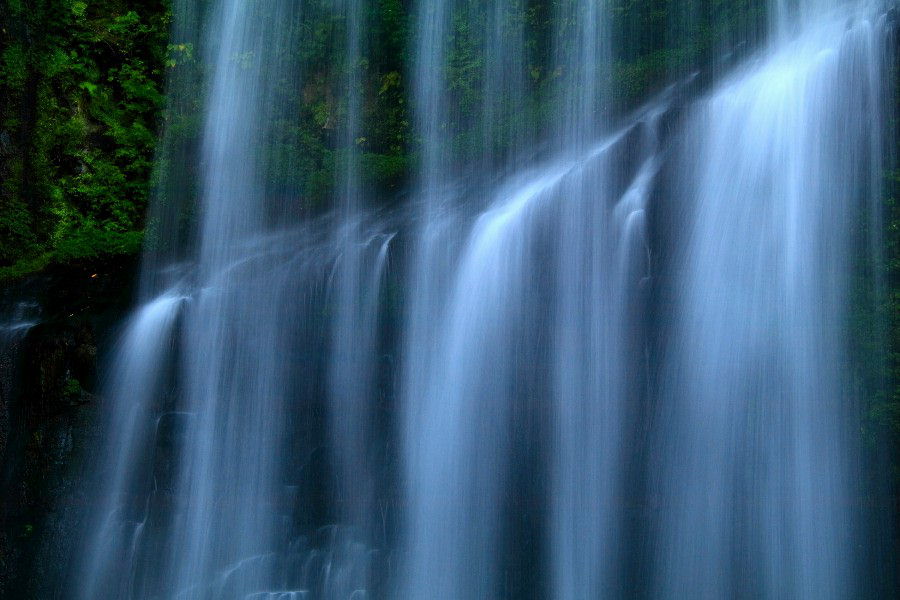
607,356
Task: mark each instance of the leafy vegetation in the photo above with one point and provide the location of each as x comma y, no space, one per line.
83,82
83,88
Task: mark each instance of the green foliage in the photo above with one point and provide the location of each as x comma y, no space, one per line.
885,410
83,82
84,242
635,78
310,144
466,66
385,173
874,325
72,388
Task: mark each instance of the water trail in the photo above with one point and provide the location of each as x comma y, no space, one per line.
14,328
361,269
234,376
459,458
362,256
450,528
598,369
216,503
583,52
758,451
143,355
601,262
479,419
435,241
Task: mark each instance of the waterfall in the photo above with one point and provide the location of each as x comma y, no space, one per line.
362,258
141,360
598,352
209,522
757,456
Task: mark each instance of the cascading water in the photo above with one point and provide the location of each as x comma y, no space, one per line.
358,278
756,456
502,390
455,412
207,525
142,356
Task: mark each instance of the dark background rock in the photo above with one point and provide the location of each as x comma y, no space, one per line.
50,411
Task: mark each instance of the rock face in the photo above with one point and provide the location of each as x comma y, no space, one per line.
56,328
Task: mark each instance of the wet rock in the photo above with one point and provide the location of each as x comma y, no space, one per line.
50,414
